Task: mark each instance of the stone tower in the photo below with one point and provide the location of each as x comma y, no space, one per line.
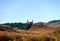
28,21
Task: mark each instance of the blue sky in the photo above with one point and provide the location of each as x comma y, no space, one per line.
36,10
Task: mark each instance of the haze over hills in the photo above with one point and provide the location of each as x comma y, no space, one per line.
54,23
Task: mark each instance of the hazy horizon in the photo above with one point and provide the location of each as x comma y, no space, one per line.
36,10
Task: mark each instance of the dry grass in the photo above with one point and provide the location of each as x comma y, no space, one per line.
41,34
33,34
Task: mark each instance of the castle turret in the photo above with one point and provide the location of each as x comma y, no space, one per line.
28,21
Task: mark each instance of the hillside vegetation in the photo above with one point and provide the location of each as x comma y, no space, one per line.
29,32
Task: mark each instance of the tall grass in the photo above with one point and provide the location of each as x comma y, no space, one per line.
20,38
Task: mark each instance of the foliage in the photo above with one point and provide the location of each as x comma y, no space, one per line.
20,25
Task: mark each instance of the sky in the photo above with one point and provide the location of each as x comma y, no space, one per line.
36,10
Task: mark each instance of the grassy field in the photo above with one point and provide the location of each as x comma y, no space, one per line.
35,33
41,34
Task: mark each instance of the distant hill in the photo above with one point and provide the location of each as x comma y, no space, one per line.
54,23
41,23
5,28
26,26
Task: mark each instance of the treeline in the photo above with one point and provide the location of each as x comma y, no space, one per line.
20,25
